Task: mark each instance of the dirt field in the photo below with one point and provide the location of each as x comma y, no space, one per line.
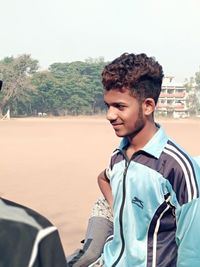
51,165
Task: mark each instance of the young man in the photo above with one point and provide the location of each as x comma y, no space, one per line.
154,182
27,239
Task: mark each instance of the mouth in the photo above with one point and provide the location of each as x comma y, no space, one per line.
116,125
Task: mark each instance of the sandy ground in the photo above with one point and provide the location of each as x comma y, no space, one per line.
51,165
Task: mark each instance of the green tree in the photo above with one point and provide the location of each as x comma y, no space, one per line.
197,79
65,88
16,74
80,83
46,99
192,97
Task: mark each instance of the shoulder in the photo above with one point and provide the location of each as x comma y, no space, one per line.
197,159
182,171
28,237
12,211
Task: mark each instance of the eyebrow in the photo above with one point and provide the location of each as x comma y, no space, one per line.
115,103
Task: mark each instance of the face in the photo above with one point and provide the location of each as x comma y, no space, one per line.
125,112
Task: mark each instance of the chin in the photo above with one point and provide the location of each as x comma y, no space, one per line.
120,134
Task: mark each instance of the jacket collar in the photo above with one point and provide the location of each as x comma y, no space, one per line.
154,146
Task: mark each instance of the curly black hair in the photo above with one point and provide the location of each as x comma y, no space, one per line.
142,75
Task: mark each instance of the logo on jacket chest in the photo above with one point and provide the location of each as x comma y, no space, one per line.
138,202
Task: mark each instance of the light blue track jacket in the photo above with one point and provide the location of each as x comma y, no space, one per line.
156,206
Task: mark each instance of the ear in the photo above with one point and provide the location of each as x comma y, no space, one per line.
148,106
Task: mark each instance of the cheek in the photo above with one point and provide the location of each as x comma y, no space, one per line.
133,114
132,119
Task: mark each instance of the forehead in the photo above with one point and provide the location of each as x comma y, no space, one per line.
117,95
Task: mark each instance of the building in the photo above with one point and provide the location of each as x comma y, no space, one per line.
172,100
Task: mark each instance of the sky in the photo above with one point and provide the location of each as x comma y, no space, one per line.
71,30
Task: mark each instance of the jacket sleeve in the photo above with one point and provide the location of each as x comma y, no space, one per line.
188,234
50,252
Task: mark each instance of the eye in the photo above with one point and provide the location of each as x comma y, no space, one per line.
120,106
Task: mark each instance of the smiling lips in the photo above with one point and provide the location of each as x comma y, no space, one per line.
116,125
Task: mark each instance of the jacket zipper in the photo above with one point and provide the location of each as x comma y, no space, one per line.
127,162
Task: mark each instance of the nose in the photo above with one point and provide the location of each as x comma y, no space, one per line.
111,114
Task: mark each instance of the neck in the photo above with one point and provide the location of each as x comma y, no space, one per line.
142,137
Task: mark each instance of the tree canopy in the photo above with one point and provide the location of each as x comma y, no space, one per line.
69,88
18,88
193,89
65,88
